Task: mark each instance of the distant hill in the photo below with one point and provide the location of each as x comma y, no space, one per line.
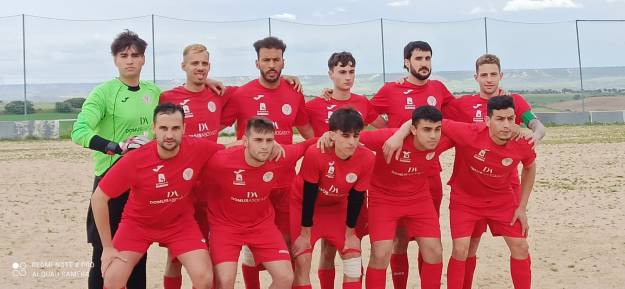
456,81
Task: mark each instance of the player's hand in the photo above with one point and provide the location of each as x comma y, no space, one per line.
534,140
133,142
326,94
277,152
216,86
524,133
521,216
352,245
108,255
295,82
325,141
392,146
301,244
400,81
501,91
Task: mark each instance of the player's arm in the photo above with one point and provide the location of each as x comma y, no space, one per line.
306,131
355,200
295,82
302,243
379,122
528,175
393,144
538,129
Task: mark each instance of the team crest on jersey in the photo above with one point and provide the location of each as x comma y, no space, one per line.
212,107
481,156
506,162
351,178
267,177
161,181
262,109
409,103
147,99
330,173
432,100
286,109
430,156
405,157
187,174
187,110
238,178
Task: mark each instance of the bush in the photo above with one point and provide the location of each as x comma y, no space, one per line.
63,107
17,107
75,102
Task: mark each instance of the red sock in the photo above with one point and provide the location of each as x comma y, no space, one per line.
172,282
307,286
352,285
250,276
431,275
455,273
469,269
375,278
399,269
326,278
521,271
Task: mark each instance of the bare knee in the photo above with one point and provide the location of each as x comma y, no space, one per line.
519,249
460,251
379,258
283,279
225,282
205,282
113,281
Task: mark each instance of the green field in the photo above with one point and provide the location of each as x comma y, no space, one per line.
37,116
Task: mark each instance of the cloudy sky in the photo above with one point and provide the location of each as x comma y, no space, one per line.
64,51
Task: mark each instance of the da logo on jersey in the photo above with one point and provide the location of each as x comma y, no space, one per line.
147,99
262,109
330,173
506,162
481,156
187,174
161,181
286,109
267,177
202,126
405,157
238,178
351,178
430,156
431,100
212,107
187,110
409,103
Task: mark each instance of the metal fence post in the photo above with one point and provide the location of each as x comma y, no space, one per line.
153,53
382,41
24,61
579,62
486,33
269,24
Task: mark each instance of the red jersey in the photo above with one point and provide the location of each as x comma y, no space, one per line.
159,189
406,178
283,105
320,110
334,176
473,108
240,196
202,110
482,177
398,101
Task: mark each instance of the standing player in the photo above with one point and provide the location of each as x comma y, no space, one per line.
160,178
397,101
271,97
342,72
115,118
330,187
482,190
472,109
240,211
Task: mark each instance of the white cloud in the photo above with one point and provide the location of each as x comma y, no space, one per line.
480,10
398,3
615,1
284,16
520,5
332,12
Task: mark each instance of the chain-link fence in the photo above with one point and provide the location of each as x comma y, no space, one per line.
564,66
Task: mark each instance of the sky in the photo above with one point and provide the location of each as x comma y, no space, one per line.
63,50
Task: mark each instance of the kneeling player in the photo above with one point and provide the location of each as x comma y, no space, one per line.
239,209
160,176
331,187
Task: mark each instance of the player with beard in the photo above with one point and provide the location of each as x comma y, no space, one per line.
398,100
271,97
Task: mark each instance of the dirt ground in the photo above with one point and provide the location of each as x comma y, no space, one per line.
577,233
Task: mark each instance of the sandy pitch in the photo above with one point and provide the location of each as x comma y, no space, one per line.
577,219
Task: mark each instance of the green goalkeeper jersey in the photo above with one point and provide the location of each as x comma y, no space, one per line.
115,113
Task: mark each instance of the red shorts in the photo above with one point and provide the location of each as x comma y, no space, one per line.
480,227
265,242
463,220
179,238
280,199
436,189
418,217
